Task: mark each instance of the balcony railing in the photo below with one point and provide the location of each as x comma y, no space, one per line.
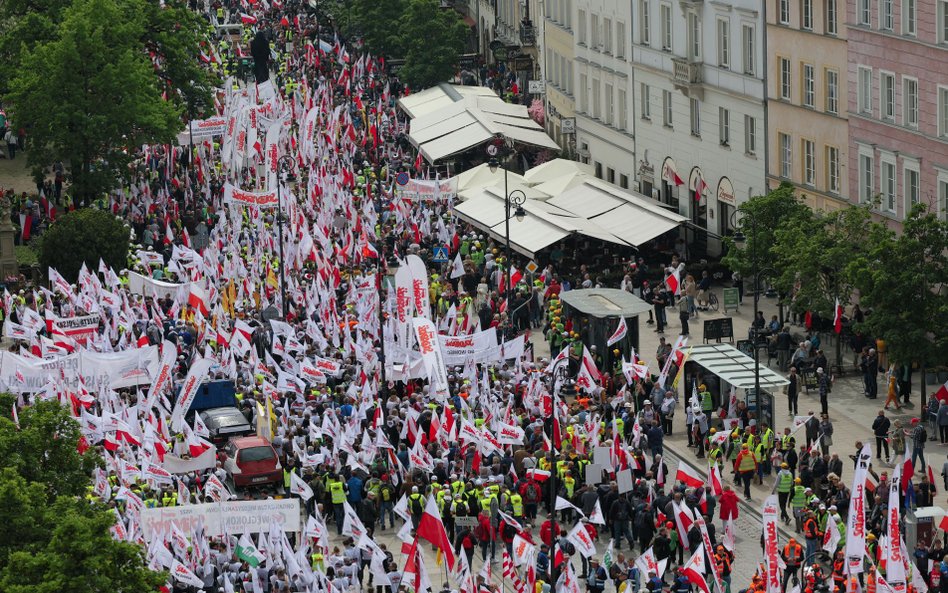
687,72
528,34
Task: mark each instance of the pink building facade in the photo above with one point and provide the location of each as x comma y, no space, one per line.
898,104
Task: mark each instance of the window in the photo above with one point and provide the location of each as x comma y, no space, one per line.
610,105
665,13
784,12
694,37
610,175
942,21
832,17
724,126
909,15
863,12
809,84
596,99
750,135
667,108
747,43
786,155
598,170
646,37
623,181
785,79
865,178
595,41
724,43
832,91
695,117
832,169
910,102
809,162
620,40
910,177
806,14
607,36
887,95
582,94
887,186
943,198
581,27
885,14
865,90
646,108
623,122
943,111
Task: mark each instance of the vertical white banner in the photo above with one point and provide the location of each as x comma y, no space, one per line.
419,286
895,561
856,523
403,305
431,354
771,553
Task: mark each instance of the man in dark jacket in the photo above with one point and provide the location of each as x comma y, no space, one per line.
880,429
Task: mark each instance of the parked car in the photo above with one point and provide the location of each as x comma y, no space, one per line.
252,461
225,423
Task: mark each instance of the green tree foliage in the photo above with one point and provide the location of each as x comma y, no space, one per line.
378,24
44,449
432,40
813,253
84,235
54,539
903,282
88,83
759,218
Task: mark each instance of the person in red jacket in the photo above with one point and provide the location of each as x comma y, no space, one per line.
484,533
728,504
547,530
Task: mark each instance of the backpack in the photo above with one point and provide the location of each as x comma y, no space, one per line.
640,518
530,493
923,435
569,548
386,491
414,502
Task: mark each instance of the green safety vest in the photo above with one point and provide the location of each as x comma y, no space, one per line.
784,481
457,487
516,503
798,501
767,439
337,491
706,404
286,477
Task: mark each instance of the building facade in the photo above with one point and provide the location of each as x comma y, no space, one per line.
699,109
603,89
556,33
898,104
807,108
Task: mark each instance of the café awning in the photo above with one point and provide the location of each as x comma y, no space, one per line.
734,367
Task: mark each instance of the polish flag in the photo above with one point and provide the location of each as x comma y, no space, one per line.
700,188
671,176
694,570
198,299
142,341
16,416
515,276
247,19
838,318
169,234
689,476
715,475
431,528
942,393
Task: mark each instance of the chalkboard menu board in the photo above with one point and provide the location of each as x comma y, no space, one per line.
716,329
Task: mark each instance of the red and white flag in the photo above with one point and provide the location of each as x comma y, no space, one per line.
942,393
700,188
670,175
838,317
694,569
431,528
457,267
247,19
673,282
619,334
16,416
689,476
197,298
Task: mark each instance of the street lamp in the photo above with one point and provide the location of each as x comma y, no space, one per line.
739,241
516,198
284,173
559,372
379,271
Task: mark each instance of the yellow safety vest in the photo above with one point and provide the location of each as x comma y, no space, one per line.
337,491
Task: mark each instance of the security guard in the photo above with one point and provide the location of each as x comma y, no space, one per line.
516,505
784,486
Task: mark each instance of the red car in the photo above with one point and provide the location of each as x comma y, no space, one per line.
252,461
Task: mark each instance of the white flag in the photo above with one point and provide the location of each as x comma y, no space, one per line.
299,487
582,540
620,332
457,268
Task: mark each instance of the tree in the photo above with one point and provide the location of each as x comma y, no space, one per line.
93,92
432,38
903,283
44,450
79,554
84,235
759,218
378,24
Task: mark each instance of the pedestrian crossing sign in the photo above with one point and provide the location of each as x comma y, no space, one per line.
439,255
